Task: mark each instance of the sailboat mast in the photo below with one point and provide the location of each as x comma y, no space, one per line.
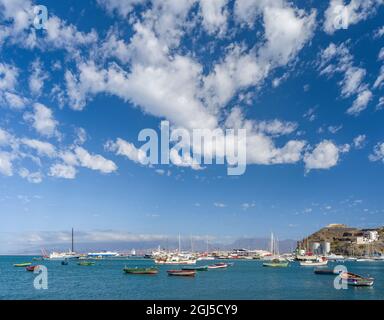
72,247
179,244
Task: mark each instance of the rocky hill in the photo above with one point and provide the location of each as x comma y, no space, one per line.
343,240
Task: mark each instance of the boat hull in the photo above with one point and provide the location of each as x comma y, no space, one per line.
141,271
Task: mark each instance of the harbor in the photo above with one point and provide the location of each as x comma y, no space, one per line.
243,279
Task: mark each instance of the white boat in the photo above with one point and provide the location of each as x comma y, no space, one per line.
314,263
350,259
203,258
335,257
365,260
61,256
103,254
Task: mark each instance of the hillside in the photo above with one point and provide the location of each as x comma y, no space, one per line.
343,240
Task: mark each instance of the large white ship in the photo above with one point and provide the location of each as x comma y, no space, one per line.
103,254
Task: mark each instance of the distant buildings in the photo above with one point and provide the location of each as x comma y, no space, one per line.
367,236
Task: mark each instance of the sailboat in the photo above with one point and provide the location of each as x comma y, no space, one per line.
71,254
275,261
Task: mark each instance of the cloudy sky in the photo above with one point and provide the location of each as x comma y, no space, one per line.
304,79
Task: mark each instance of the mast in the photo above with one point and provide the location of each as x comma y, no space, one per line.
72,247
179,244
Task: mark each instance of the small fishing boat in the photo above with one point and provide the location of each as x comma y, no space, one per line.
325,271
182,273
200,268
314,263
276,263
22,265
357,280
141,270
37,259
218,266
86,263
31,268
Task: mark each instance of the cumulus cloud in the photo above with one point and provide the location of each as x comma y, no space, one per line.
378,152
127,149
42,120
94,162
324,156
360,103
32,177
338,60
214,15
6,167
62,171
43,148
359,141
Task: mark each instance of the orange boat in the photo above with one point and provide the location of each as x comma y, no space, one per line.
182,273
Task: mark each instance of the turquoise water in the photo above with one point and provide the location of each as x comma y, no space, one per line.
244,280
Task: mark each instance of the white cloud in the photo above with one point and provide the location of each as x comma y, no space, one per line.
337,59
378,152
359,141
214,15
8,76
62,171
340,15
6,163
42,120
219,205
380,105
32,177
14,101
324,156
121,7
94,162
127,149
335,129
42,148
287,29
380,79
360,103
37,78
352,81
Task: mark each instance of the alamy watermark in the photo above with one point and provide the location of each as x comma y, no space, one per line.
194,147
340,282
341,17
41,17
40,282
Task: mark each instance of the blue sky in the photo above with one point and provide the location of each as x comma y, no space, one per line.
305,80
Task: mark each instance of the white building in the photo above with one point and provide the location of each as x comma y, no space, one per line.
371,235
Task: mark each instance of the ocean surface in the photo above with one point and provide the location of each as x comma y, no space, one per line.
246,279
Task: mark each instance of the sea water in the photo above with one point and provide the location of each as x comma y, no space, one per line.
246,279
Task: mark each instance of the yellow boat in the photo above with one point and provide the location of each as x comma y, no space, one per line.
22,265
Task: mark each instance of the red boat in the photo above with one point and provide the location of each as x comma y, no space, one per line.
31,268
218,266
182,273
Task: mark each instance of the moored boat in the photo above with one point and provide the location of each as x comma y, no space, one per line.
314,263
218,266
137,270
31,268
86,263
22,265
276,263
357,280
325,271
182,273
